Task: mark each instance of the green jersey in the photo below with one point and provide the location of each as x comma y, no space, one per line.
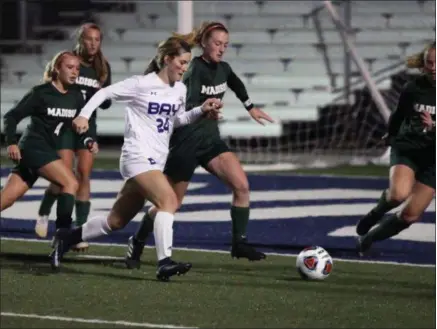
50,112
406,129
207,80
89,84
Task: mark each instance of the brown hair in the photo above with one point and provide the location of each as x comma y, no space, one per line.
171,47
99,62
195,37
50,73
417,61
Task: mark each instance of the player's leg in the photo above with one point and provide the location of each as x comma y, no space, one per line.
179,169
227,167
58,173
83,173
85,160
151,185
416,204
402,179
50,196
16,186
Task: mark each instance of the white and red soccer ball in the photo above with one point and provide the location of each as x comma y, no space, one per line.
314,263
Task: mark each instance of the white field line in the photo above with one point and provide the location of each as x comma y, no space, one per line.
81,320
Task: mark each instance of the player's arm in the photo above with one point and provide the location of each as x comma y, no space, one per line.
25,107
237,86
211,106
123,91
405,104
107,103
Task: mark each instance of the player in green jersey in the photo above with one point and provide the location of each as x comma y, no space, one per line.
51,106
200,143
94,73
411,134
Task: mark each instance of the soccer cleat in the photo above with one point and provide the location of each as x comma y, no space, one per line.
241,249
166,271
134,252
41,226
81,246
363,245
60,247
366,223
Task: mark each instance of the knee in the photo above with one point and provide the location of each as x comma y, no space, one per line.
409,215
116,223
71,186
54,189
240,188
83,176
398,195
169,204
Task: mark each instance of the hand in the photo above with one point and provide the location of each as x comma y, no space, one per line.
80,124
427,121
257,114
93,147
14,152
212,108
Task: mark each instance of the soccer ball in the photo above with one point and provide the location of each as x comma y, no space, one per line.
314,263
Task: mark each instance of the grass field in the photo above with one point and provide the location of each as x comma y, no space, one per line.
218,292
95,290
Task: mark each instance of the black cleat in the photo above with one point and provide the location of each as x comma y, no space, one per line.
363,245
60,247
241,249
166,271
366,223
133,255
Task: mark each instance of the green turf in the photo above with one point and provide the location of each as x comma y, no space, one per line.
218,292
368,170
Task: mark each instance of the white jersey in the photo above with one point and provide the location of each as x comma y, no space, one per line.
153,109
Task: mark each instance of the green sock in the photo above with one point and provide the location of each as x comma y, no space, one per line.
383,205
64,210
388,227
47,203
240,218
82,212
145,228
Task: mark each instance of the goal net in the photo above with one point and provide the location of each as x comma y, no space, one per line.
348,129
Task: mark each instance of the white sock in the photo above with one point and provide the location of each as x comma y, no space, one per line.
95,227
163,232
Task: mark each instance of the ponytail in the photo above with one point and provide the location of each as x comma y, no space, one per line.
153,66
195,37
417,61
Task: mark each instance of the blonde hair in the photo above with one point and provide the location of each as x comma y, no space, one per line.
99,62
50,73
171,47
417,61
197,36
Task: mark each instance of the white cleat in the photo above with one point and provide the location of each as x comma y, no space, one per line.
41,226
81,246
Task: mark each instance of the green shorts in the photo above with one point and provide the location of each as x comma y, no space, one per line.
69,140
421,162
183,159
32,159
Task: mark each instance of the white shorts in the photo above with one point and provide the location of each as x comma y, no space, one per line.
132,167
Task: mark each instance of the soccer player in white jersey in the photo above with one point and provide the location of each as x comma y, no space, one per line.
155,104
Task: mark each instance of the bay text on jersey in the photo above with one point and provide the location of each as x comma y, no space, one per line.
163,108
